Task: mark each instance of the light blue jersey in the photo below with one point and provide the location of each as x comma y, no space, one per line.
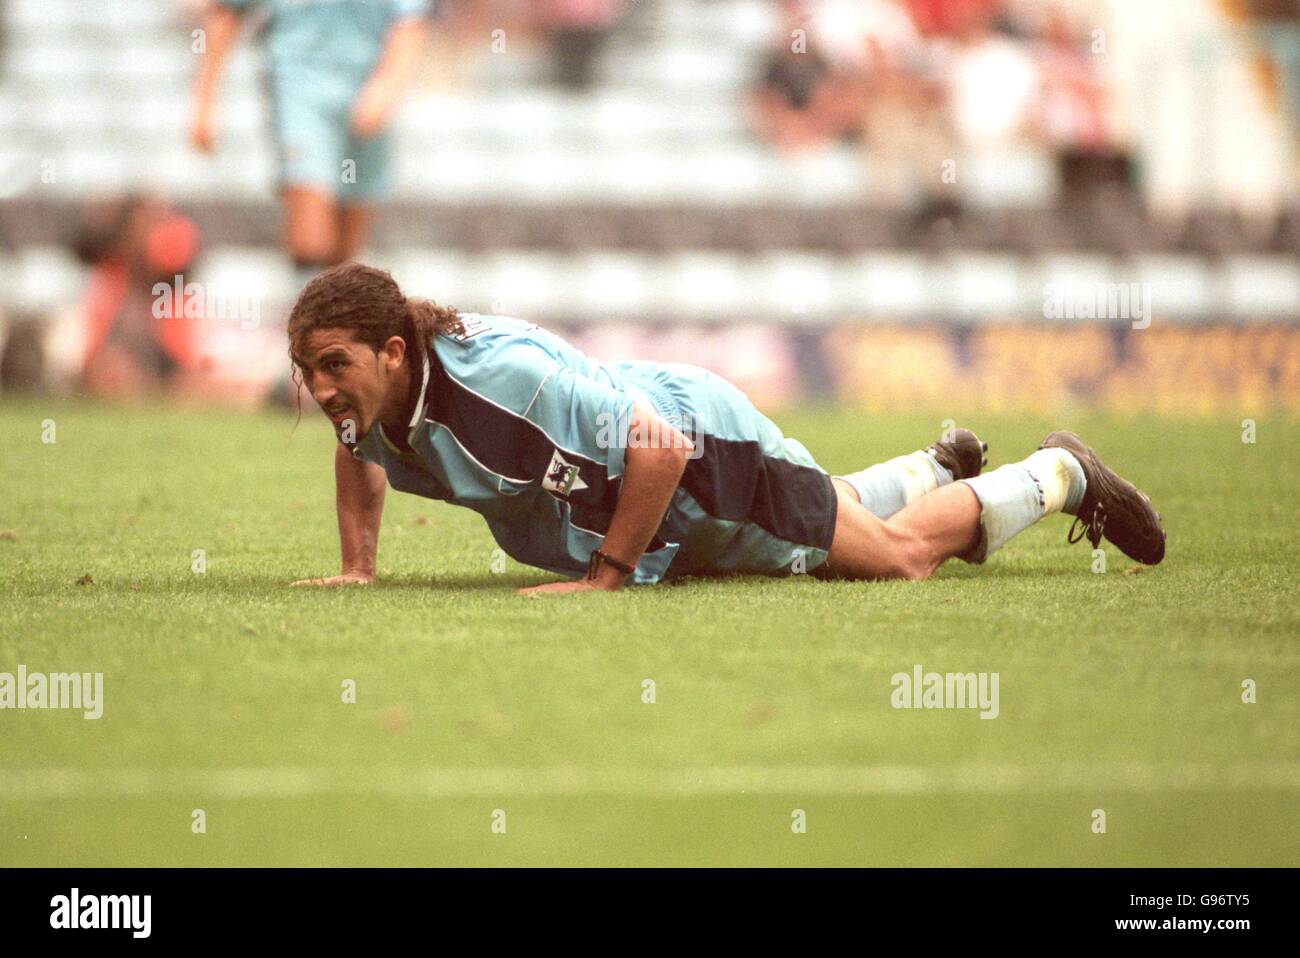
513,422
335,42
320,53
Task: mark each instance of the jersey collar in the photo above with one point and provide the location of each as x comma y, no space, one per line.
417,414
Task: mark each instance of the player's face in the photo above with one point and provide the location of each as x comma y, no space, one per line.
351,382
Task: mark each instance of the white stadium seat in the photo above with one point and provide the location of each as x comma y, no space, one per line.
46,278
887,284
1257,286
1181,285
262,275
976,286
796,285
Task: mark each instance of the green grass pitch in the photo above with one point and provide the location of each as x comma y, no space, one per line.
1119,691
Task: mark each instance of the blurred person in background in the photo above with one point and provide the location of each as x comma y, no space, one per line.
992,81
132,347
907,134
577,30
892,56
1071,102
338,69
1280,20
801,102
1074,122
465,26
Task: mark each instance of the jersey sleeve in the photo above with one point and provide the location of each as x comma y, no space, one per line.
582,415
521,395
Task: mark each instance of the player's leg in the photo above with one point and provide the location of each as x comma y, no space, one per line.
757,502
911,545
973,518
751,501
888,487
1065,475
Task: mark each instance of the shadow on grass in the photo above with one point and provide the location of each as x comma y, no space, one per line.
965,573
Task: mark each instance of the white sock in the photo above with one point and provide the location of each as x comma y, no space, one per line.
887,487
1060,476
1014,497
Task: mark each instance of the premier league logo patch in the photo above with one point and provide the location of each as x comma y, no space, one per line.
561,477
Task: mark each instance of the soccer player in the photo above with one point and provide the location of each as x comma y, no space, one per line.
337,70
643,471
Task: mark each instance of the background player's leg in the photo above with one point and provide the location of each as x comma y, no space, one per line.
358,193
311,228
355,220
312,146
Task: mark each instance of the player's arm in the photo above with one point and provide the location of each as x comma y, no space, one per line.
220,29
651,473
650,477
359,498
378,99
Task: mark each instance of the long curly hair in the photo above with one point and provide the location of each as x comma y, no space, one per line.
369,302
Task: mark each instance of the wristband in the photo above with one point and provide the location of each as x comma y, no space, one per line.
597,557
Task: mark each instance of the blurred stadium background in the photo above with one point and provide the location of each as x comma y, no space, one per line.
865,201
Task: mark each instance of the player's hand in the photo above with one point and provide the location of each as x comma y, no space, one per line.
372,109
561,588
346,578
203,132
